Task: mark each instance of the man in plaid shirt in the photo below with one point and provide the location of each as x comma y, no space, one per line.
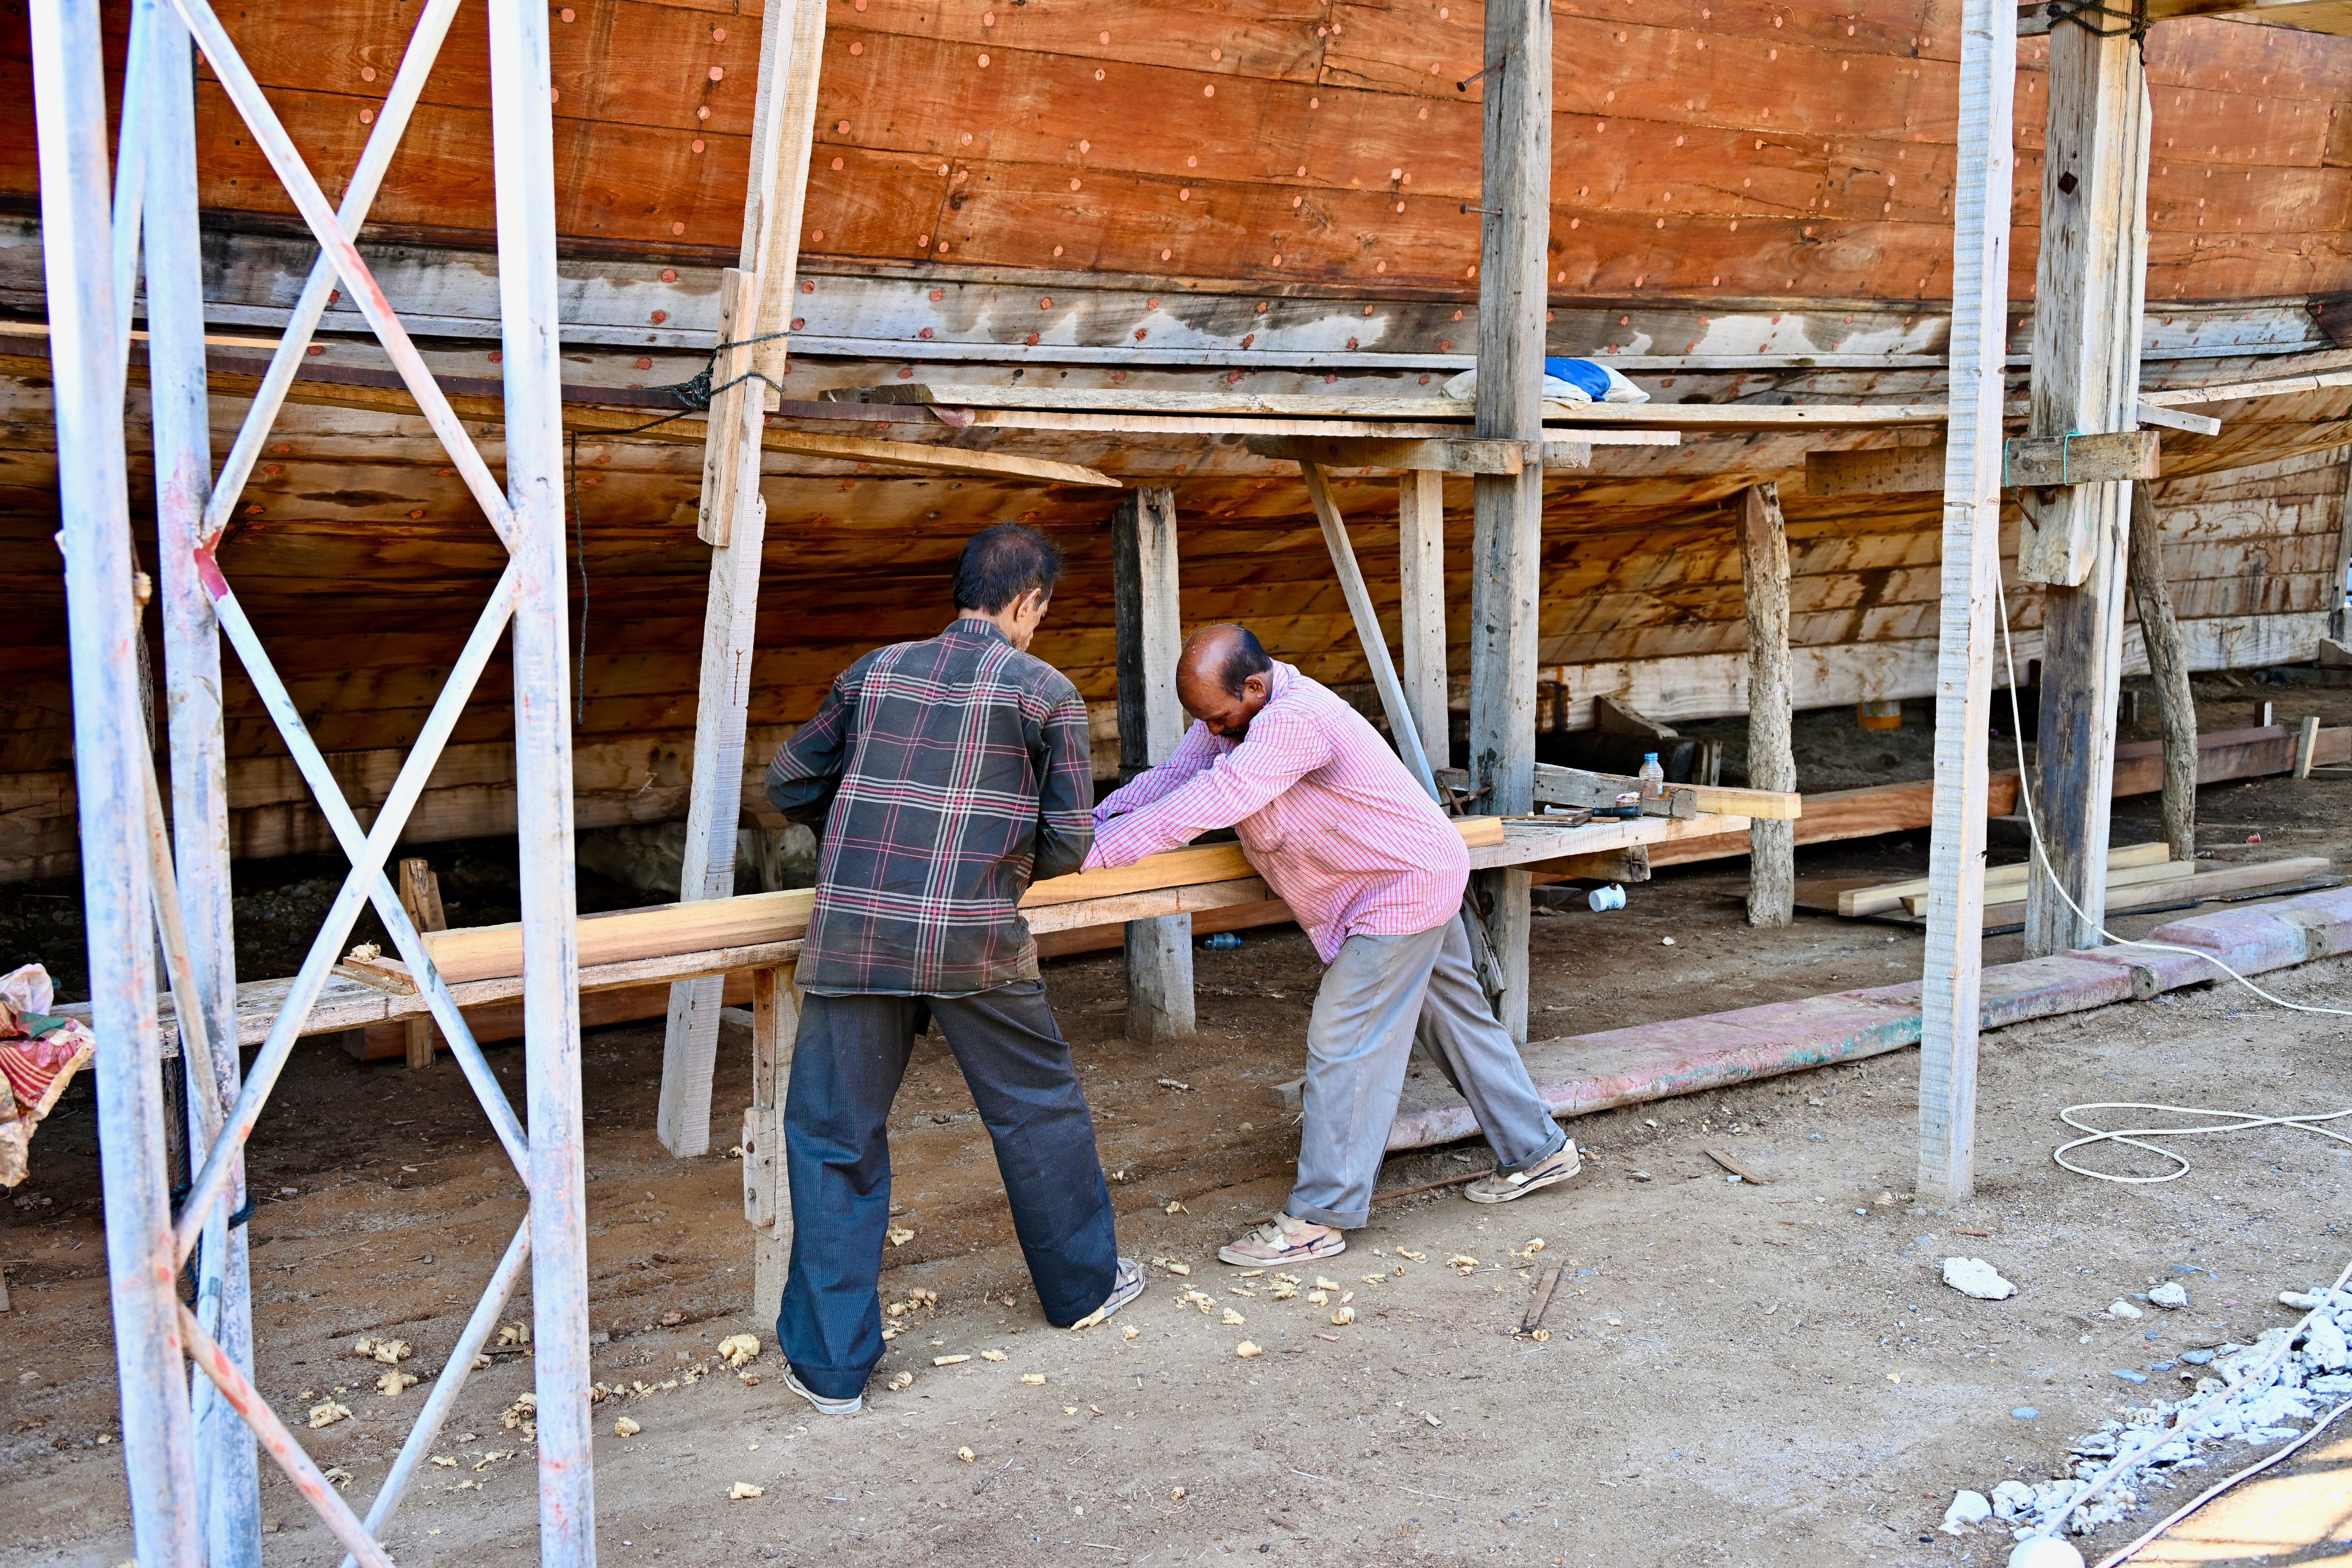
942,777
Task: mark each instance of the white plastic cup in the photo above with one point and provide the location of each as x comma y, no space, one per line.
2044,1552
1603,899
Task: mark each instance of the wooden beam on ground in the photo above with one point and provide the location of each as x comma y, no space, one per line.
2088,282
1952,972
1421,613
2167,665
1151,722
733,521
1772,752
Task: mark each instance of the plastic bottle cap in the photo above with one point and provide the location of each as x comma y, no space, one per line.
1649,756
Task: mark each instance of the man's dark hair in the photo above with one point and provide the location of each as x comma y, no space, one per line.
1245,657
1002,561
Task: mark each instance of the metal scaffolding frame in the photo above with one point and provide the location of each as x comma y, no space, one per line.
189,1446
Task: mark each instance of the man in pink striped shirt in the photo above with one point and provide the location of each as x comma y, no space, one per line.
1374,872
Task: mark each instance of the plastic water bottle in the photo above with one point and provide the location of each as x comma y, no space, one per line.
1221,942
1653,777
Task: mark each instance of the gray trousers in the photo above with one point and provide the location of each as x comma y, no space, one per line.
1380,994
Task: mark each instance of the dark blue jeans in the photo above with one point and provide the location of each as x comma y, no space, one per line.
847,1062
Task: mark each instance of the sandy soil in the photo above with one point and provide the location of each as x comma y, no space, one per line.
1767,1376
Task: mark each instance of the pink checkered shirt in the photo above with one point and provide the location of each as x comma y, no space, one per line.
1325,810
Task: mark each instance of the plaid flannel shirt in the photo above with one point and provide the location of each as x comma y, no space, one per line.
941,778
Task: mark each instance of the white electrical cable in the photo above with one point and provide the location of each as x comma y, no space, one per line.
2033,830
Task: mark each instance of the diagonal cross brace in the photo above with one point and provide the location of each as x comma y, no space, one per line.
368,850
271,136
392,122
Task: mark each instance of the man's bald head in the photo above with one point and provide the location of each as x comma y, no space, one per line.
1224,678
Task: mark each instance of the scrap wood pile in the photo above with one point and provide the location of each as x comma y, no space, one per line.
39,1053
2139,876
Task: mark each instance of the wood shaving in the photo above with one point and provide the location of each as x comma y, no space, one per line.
1239,1291
1323,1284
992,1355
1128,1331
899,1235
950,1359
1176,1206
1247,1351
445,1461
1285,1291
625,1428
514,1334
391,1352
1344,1316
392,1382
672,1318
736,1349
328,1413
1233,1319
966,1455
742,1490
1416,1256
337,1475
902,1383
1173,1083
1032,1377
1317,1298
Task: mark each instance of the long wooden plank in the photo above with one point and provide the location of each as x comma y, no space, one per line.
481,952
2011,891
1879,897
1224,425
1555,416
2146,893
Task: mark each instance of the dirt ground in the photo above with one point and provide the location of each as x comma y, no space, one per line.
1751,1376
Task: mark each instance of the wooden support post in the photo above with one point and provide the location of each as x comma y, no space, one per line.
1150,724
420,895
2339,622
754,300
1421,516
2168,662
1515,159
1953,971
767,1190
2086,323
1771,755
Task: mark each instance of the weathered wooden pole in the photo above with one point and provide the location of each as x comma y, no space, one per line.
2168,663
2088,284
1421,615
1151,723
1952,973
1771,755
755,304
1506,555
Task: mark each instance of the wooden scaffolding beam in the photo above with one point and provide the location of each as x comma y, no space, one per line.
1421,516
1508,552
1772,752
2088,282
733,522
1953,970
1151,724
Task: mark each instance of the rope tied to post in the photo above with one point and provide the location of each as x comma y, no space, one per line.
2135,21
696,392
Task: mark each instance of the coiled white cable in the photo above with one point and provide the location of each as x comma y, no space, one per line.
2239,1120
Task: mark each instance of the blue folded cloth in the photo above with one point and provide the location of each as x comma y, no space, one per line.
1568,381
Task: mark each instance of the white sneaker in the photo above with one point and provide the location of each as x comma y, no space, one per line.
1495,1188
1283,1239
825,1406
